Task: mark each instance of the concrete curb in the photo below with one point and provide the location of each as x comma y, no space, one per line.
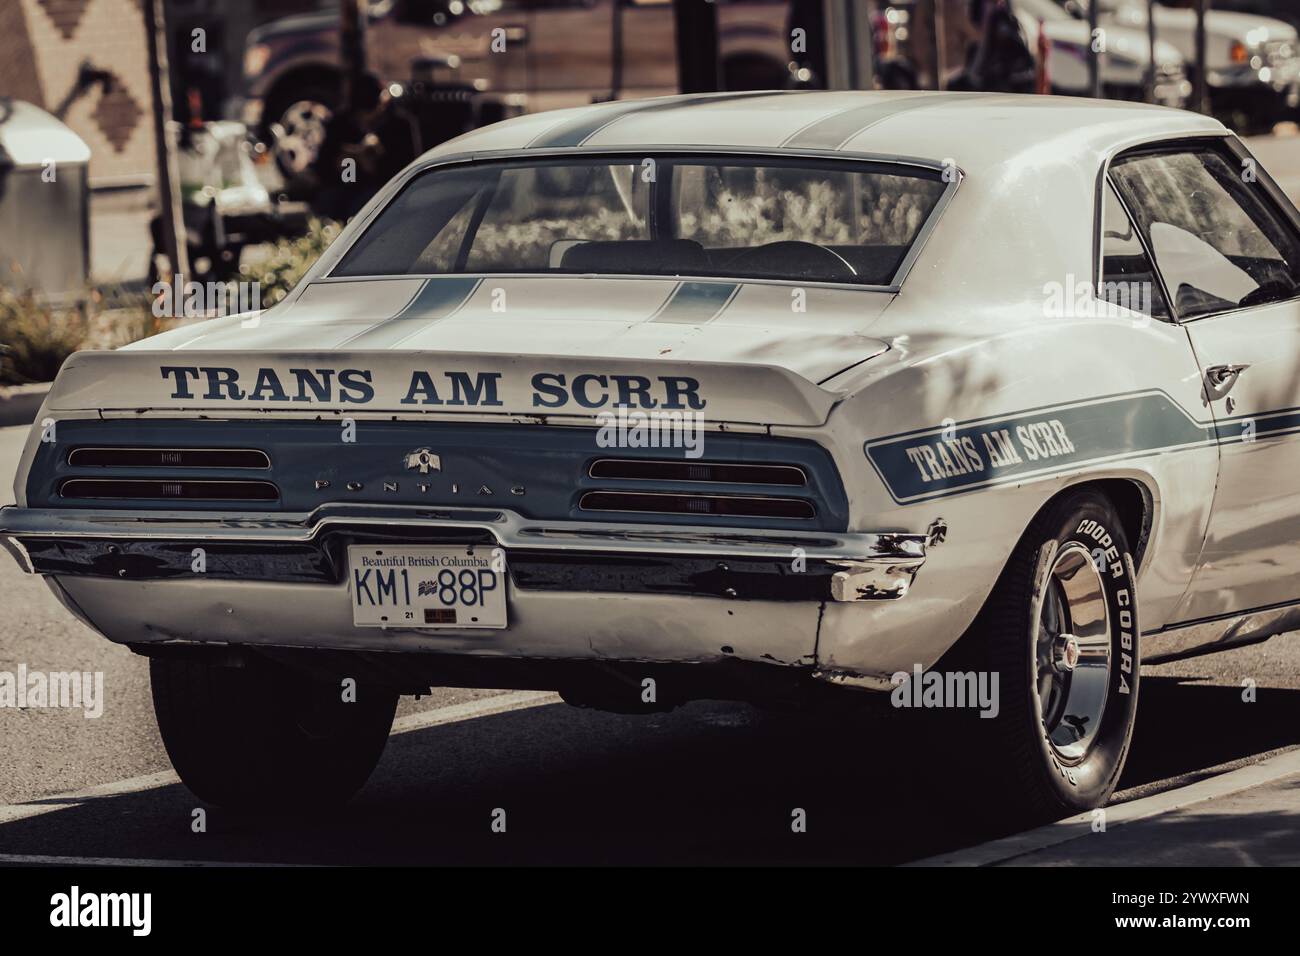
20,403
1072,828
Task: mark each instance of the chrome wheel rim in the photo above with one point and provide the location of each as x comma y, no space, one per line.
300,134
1072,653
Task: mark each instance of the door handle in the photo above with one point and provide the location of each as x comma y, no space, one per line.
1219,380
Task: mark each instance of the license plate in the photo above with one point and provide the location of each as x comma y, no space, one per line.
425,586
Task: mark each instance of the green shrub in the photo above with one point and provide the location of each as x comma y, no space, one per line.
35,337
279,271
121,315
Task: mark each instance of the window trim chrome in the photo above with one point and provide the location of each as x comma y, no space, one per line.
1227,141
323,271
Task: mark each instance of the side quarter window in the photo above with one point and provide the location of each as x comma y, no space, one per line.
1127,276
1217,240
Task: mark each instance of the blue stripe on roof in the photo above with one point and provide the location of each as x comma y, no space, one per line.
579,129
838,128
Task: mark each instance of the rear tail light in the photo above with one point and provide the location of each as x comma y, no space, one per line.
99,457
735,473
184,489
649,502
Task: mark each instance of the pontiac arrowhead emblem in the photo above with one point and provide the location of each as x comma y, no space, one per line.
423,461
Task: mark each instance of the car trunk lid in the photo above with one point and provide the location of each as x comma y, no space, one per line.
566,347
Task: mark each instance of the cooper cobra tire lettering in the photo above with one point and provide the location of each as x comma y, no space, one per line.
1056,748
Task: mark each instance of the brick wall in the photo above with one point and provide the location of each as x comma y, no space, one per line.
46,42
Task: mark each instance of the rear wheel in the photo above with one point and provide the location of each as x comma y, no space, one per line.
1060,632
264,737
299,123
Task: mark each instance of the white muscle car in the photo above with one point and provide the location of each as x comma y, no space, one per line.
762,396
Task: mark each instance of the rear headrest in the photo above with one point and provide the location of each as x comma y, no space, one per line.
637,255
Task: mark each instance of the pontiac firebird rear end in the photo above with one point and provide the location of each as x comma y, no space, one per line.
478,457
572,406
484,538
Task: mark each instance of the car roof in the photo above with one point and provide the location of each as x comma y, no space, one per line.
1024,214
974,129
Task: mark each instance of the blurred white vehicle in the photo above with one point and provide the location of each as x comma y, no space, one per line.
1125,59
1253,62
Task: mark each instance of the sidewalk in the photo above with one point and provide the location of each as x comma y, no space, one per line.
1255,827
19,403
1280,155
1245,817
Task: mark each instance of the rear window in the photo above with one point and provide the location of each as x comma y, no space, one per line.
833,221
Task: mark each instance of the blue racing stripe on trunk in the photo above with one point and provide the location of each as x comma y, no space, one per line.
695,303
437,299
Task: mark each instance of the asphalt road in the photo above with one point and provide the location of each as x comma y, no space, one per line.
712,782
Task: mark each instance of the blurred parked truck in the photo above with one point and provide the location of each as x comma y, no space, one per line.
549,54
1062,51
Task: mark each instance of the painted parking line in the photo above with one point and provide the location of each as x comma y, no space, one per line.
20,859
453,713
61,801
483,707
1008,849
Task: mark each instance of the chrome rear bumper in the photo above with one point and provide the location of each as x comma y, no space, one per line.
77,542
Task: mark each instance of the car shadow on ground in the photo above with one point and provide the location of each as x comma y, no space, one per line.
708,783
1185,727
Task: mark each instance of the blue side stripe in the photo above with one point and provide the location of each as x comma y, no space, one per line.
928,463
1264,425
933,464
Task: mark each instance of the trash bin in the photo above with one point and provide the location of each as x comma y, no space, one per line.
44,204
